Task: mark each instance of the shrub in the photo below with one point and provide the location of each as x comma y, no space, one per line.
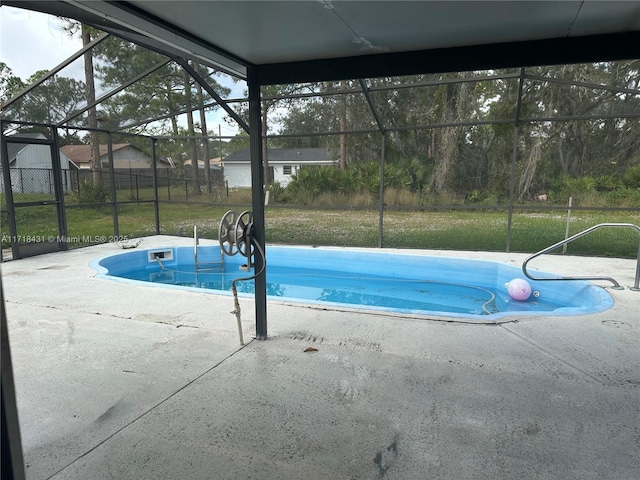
88,192
631,177
623,197
566,186
277,193
607,183
474,196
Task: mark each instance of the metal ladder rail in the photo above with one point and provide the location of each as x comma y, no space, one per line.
616,285
196,243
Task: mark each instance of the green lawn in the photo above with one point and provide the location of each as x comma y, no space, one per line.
436,229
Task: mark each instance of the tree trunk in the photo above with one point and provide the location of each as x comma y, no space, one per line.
343,127
445,149
529,172
203,128
96,168
191,133
172,111
453,111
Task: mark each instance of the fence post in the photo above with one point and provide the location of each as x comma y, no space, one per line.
55,178
156,203
130,182
381,212
566,231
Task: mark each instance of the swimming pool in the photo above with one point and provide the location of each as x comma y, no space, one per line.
473,290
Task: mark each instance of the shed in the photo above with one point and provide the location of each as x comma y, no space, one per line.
283,164
31,168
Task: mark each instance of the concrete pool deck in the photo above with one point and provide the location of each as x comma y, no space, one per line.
116,381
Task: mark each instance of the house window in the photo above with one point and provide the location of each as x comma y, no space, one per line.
286,169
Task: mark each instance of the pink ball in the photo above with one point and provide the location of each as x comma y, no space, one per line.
519,289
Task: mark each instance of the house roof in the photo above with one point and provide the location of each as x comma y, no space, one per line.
213,162
36,135
80,154
284,155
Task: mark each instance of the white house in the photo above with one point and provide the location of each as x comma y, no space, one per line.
31,168
283,164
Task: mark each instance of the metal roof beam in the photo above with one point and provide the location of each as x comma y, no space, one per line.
198,78
365,90
557,51
207,105
576,83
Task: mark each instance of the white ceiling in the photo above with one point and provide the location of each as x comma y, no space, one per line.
236,34
283,31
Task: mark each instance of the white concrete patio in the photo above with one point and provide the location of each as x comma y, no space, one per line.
116,381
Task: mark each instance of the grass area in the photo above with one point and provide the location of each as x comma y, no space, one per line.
453,230
39,222
179,192
483,230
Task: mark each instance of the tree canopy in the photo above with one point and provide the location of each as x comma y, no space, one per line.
451,133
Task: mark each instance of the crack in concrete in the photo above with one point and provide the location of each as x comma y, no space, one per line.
66,307
143,414
112,315
596,378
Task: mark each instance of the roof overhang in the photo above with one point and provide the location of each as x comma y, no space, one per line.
556,51
287,42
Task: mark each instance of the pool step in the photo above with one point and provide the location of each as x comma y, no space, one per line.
208,258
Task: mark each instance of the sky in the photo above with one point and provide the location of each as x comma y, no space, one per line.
32,41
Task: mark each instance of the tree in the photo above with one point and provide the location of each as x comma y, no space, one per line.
53,100
159,94
203,130
9,83
72,28
342,115
271,101
191,133
588,147
165,94
96,168
48,103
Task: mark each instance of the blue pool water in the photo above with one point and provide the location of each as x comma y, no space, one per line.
413,284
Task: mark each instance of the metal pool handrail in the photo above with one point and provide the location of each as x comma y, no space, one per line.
196,242
616,285
196,263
